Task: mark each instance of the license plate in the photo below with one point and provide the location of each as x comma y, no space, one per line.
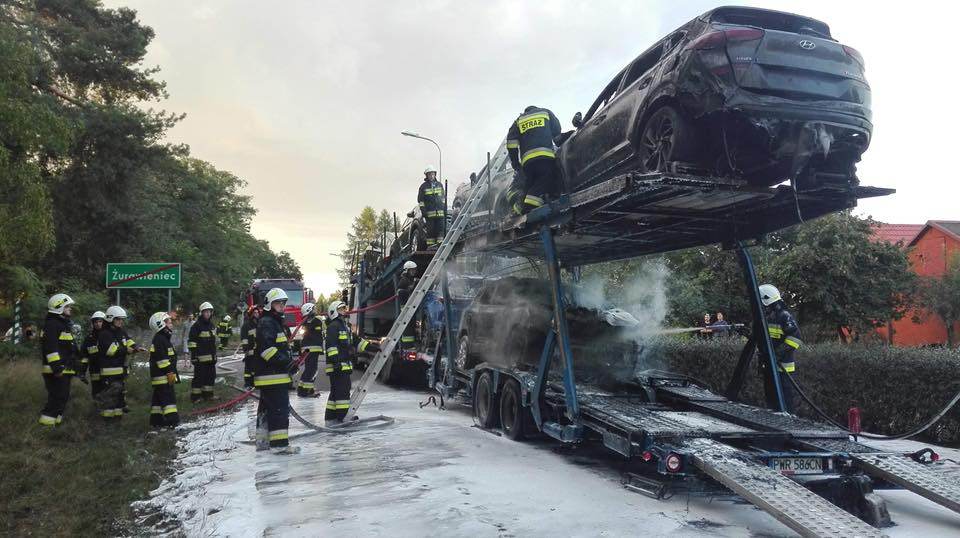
798,465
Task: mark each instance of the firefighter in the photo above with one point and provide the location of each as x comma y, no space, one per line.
248,339
163,373
785,337
114,346
223,331
271,374
58,357
312,344
432,207
532,152
341,349
202,344
408,280
89,350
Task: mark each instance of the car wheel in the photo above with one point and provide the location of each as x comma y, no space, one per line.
463,353
417,241
485,402
666,136
513,415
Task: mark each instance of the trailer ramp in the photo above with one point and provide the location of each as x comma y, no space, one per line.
795,506
910,475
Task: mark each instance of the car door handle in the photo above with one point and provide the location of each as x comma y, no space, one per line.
644,83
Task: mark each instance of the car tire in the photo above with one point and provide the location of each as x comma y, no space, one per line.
417,241
515,419
462,361
485,409
665,137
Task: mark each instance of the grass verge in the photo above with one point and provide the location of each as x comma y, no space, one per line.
79,478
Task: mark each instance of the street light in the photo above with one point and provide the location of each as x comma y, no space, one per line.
434,142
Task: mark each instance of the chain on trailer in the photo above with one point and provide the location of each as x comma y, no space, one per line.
426,282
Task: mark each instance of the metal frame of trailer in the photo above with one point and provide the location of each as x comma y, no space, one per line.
681,430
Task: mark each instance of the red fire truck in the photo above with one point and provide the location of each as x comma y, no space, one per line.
296,292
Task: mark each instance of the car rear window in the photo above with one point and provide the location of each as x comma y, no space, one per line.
770,20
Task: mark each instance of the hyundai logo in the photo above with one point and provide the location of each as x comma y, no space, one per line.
806,44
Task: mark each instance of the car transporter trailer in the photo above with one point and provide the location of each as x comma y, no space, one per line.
680,431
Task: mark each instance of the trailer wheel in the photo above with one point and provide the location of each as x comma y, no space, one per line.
513,415
485,402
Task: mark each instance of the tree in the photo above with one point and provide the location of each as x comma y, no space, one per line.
941,296
368,227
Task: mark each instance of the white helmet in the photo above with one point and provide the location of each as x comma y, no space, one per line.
227,318
769,294
115,312
58,303
429,169
206,306
97,315
274,295
158,320
307,309
332,309
409,265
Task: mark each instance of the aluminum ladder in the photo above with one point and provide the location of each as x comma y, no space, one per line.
426,282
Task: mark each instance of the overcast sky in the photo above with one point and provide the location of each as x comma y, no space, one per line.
305,100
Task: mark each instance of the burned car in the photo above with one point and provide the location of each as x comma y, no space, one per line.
738,92
506,325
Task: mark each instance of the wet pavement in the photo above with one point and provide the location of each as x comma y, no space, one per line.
433,472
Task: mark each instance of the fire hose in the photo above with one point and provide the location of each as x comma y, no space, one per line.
373,306
918,431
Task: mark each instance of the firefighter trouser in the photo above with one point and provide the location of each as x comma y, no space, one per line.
163,406
95,384
110,399
339,401
274,408
204,376
223,341
434,231
542,182
408,341
58,393
770,392
306,387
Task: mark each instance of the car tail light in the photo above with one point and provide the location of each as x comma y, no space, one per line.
411,355
719,38
855,54
647,455
674,462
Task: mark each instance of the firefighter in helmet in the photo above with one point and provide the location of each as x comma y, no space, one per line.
163,372
405,286
202,344
315,330
530,145
785,337
58,356
248,341
272,376
432,203
223,331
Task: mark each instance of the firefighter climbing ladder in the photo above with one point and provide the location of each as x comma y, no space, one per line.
429,278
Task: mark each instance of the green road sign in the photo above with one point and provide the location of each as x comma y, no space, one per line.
143,275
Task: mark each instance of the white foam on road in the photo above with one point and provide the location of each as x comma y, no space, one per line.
433,472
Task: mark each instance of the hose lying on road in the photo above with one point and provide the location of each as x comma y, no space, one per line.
875,437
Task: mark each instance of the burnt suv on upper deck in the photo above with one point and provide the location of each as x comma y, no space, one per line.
737,92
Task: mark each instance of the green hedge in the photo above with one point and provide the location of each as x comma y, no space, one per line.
897,389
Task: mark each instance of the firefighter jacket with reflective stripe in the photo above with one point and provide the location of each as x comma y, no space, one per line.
89,351
272,353
202,341
314,331
339,347
223,329
405,288
163,358
785,336
430,199
248,341
531,135
58,352
113,349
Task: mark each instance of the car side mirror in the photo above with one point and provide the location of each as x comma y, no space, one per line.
410,214
577,120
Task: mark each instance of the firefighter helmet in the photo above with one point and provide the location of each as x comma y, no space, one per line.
115,312
307,309
409,265
769,294
332,309
58,303
205,306
227,318
97,315
158,321
274,295
429,169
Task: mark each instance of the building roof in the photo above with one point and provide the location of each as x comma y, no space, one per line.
896,233
949,227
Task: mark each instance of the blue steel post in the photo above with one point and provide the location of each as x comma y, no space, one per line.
760,330
560,324
361,293
542,371
447,328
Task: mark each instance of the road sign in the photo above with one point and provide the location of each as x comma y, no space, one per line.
143,275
